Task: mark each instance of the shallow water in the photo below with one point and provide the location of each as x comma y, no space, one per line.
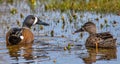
51,41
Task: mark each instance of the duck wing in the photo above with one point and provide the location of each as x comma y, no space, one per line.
14,35
104,35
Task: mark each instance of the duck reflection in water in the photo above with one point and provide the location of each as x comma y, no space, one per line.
102,54
23,51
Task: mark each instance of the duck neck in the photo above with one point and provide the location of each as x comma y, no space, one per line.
92,31
25,26
91,34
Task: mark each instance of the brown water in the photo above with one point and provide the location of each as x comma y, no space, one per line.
55,44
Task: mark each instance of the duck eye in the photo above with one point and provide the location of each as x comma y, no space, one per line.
33,18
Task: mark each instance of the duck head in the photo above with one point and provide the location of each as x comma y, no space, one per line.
31,20
89,27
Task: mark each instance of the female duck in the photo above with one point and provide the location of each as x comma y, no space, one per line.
102,40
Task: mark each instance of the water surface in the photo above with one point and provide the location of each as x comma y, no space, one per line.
50,42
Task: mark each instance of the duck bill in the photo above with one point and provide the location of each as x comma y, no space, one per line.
42,23
79,30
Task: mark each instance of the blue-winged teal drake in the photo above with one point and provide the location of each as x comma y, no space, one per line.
23,35
102,40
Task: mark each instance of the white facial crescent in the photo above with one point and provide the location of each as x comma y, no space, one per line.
36,19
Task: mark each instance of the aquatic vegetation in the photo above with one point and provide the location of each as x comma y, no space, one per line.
74,15
13,11
21,15
70,19
18,22
10,1
32,4
65,48
97,19
101,26
54,60
56,43
107,25
63,22
8,27
101,16
1,1
41,27
112,6
105,21
52,33
81,35
63,19
81,16
62,36
114,23
68,47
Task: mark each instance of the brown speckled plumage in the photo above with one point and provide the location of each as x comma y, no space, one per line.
104,40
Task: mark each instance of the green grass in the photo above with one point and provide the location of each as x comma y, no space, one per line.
107,6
